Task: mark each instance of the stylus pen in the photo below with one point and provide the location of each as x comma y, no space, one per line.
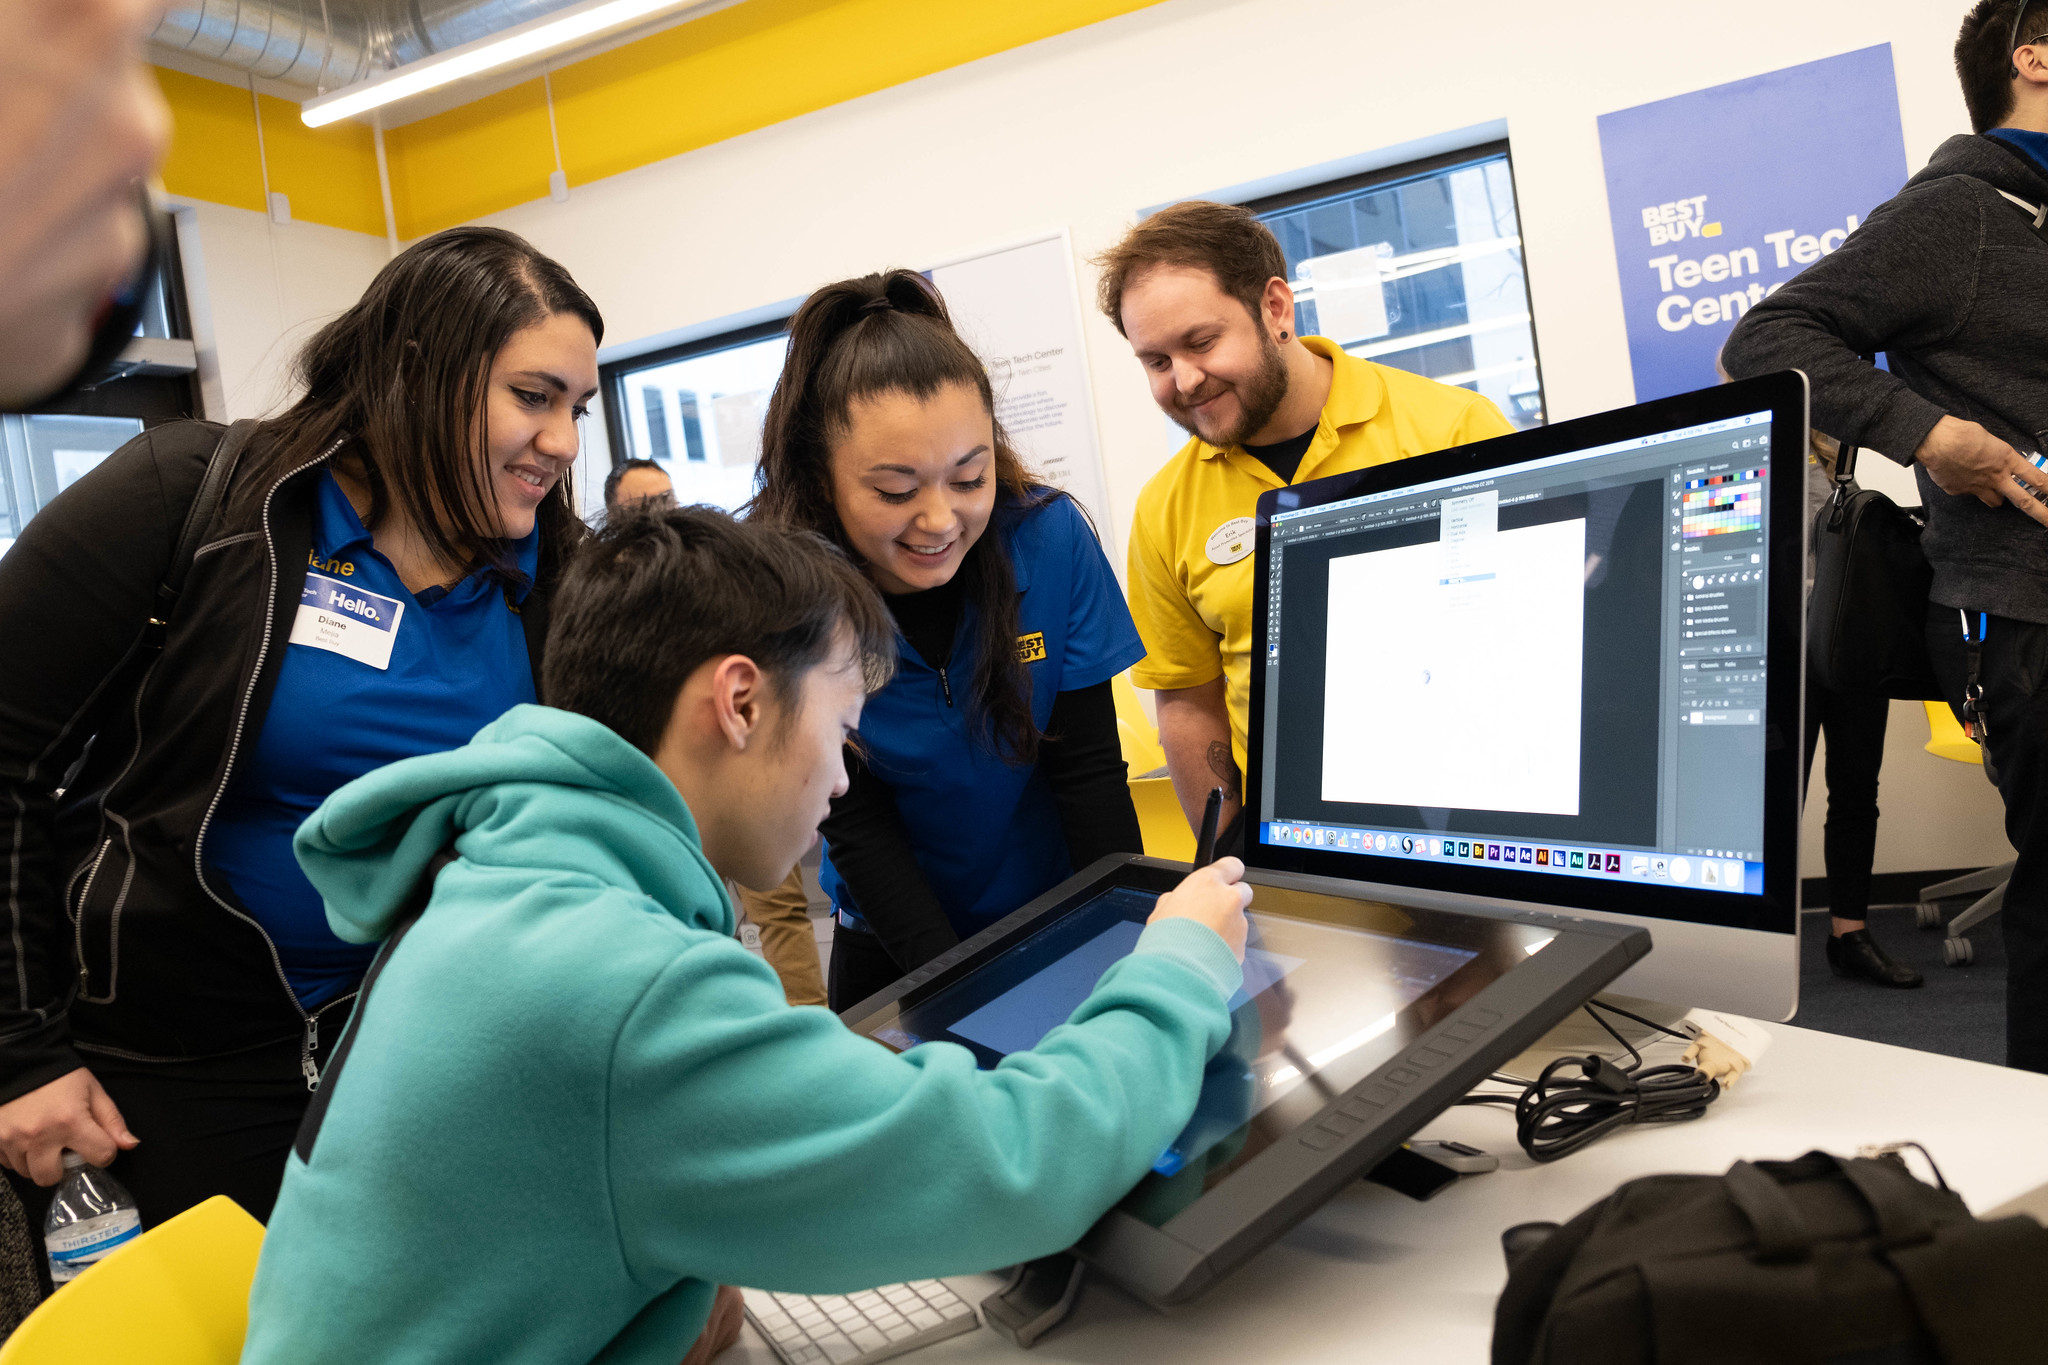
1205,845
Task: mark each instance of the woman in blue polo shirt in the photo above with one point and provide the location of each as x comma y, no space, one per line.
989,769
372,585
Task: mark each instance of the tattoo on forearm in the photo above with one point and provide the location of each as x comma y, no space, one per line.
1224,765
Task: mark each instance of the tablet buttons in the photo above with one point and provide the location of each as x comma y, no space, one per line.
1322,1137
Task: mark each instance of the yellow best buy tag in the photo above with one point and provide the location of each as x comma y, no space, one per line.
1231,541
1031,648
347,620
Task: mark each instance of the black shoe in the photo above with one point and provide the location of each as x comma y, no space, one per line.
1859,955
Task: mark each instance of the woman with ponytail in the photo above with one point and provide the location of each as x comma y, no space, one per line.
989,769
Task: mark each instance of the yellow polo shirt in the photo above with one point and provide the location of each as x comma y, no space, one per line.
1194,607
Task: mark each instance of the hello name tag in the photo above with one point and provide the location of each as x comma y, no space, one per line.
343,619
1232,541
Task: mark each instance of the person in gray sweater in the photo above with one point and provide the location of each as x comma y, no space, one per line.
1950,280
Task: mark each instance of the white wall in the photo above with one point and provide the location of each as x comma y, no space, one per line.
1177,100
258,290
1934,812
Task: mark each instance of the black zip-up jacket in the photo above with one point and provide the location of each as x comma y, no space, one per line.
1950,280
114,939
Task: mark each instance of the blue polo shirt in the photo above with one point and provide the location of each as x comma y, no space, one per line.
987,835
456,662
2034,144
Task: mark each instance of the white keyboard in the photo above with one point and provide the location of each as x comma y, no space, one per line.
874,1324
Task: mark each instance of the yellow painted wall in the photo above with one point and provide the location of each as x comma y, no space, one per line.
474,159
768,60
213,142
329,174
713,78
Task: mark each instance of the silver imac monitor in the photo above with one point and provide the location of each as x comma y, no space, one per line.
1562,669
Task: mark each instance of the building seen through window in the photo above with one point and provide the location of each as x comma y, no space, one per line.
1419,267
696,410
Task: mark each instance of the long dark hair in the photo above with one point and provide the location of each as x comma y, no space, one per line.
403,378
887,333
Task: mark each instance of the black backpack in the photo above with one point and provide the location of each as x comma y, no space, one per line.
1819,1261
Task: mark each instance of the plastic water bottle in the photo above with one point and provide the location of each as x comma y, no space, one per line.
90,1216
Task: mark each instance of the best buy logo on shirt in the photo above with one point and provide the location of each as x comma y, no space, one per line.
1031,648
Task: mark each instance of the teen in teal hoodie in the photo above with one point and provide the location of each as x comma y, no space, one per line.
574,1105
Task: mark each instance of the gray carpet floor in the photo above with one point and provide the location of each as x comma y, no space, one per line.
1960,1012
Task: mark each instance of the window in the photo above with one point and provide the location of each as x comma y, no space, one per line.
696,410
41,455
1419,267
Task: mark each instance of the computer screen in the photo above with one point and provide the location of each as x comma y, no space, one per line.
1570,658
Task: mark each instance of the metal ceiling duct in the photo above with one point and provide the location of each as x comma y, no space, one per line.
327,44
281,40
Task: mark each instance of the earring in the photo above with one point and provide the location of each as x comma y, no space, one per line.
1283,336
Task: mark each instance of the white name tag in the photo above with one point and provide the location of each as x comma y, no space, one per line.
344,619
1232,541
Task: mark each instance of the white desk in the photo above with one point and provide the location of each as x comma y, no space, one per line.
1377,1277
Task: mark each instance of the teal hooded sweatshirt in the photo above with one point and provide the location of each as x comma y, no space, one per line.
574,1104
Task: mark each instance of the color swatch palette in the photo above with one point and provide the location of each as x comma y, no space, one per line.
1724,504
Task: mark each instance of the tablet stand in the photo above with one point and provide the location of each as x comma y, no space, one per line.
1037,1299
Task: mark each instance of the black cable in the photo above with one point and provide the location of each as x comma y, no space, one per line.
1557,1115
1592,1005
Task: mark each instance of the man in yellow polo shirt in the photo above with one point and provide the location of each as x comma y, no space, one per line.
1200,291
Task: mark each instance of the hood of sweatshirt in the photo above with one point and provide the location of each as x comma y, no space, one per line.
1997,163
537,790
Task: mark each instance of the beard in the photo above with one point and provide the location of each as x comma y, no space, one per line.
1257,400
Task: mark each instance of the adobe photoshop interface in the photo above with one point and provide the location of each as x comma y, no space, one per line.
1557,665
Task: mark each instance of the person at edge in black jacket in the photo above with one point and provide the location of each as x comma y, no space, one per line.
989,769
373,585
1950,279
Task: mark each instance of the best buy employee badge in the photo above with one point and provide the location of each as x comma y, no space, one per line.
1031,648
344,619
1231,541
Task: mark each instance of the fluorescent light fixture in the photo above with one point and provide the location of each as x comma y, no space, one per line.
515,44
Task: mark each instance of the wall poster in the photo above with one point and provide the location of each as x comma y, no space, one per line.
1019,308
1720,196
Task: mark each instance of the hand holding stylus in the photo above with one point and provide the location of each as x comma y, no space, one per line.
1214,895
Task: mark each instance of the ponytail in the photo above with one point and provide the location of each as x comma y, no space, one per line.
891,333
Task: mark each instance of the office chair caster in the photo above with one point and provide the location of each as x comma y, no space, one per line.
1958,952
1927,915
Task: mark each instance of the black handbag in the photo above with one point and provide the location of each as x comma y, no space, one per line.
1819,1261
1866,623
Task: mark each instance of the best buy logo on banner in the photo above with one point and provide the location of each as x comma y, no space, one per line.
1719,197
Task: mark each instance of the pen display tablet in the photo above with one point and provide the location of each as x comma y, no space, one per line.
1333,987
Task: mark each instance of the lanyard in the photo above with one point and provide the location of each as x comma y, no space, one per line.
1974,722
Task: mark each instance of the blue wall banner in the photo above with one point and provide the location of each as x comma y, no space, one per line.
1720,196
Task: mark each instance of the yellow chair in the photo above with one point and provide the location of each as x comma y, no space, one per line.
176,1295
1947,739
1160,819
1142,753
